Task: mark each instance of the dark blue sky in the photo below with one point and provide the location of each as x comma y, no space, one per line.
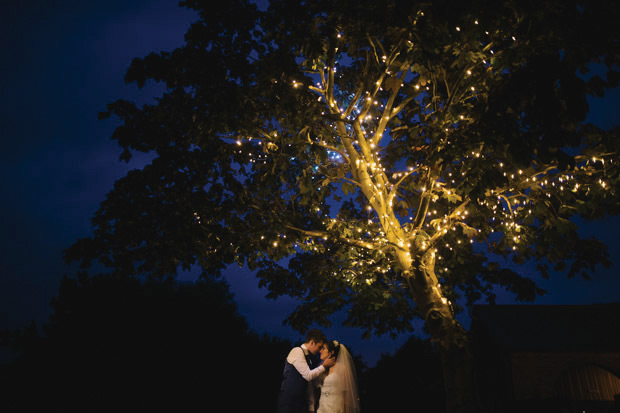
61,63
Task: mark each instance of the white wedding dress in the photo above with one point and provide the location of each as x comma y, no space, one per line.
332,395
339,387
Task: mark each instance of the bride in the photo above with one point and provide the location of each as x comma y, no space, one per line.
338,384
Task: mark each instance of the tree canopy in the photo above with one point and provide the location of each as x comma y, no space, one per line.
381,158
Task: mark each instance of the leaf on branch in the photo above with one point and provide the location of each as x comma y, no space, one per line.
403,208
451,197
348,188
330,224
436,223
564,226
393,83
469,231
544,270
270,147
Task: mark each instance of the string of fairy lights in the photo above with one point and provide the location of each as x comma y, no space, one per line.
507,208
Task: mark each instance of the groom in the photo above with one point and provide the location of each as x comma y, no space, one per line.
300,368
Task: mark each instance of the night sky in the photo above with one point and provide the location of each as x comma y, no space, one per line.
61,63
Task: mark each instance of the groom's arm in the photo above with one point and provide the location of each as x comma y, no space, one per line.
298,360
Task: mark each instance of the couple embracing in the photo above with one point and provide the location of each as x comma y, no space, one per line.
334,375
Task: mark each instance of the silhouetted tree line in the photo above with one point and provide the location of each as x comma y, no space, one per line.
119,344
389,388
125,345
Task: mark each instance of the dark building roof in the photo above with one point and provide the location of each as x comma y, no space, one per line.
550,327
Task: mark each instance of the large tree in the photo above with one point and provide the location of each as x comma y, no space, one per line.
381,158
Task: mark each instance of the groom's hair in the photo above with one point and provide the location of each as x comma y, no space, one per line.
315,335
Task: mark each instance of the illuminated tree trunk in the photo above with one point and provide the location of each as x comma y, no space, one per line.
449,337
418,263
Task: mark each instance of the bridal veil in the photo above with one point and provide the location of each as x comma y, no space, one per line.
346,371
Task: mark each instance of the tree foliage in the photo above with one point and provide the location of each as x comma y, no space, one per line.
382,158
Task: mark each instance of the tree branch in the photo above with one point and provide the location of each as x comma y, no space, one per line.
325,145
440,233
387,110
326,235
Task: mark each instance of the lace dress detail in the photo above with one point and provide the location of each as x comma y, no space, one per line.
332,396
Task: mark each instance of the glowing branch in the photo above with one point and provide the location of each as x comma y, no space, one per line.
387,111
359,92
326,235
327,146
456,213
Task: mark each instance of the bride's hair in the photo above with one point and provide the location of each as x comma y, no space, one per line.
333,347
